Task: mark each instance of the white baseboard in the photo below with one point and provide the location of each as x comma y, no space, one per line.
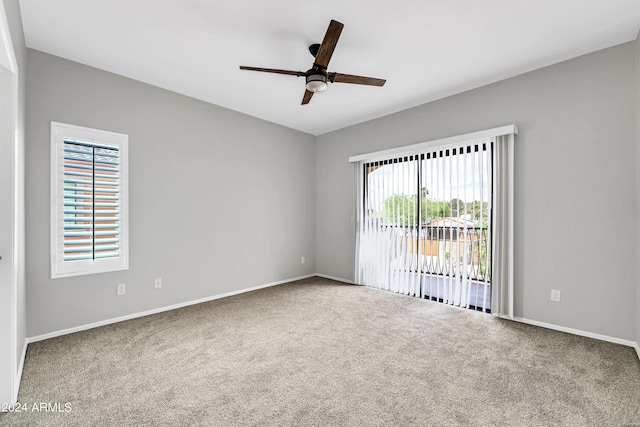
23,356
157,310
241,291
337,279
579,332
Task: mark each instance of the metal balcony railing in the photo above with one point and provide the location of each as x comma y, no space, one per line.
443,250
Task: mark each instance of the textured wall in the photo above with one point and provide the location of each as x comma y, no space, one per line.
575,173
219,201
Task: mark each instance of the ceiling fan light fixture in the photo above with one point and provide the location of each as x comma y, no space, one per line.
316,83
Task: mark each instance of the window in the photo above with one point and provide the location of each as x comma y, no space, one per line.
89,203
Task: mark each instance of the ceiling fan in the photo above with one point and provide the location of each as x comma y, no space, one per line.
317,76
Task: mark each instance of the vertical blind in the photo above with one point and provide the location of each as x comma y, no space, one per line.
427,218
426,229
456,263
91,201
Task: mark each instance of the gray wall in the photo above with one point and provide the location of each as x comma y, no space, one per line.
255,196
219,201
12,9
575,172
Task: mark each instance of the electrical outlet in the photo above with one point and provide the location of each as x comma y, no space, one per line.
302,260
555,295
157,283
121,289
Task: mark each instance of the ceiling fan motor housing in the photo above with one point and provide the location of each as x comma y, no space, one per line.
313,49
316,81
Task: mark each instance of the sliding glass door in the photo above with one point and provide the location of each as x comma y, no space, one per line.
426,224
388,256
455,237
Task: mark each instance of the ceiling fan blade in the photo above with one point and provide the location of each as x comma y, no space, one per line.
356,80
307,97
328,44
273,70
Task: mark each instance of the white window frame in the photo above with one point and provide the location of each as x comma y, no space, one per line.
59,267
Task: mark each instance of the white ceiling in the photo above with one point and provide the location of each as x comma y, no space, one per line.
426,49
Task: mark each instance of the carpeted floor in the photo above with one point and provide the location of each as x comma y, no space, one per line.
316,352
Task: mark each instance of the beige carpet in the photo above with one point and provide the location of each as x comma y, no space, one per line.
317,352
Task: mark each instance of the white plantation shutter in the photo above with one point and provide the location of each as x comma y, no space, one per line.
89,201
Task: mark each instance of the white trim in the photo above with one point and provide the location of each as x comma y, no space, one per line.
488,133
337,279
23,356
255,288
157,310
576,332
59,268
510,218
6,40
9,58
356,215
